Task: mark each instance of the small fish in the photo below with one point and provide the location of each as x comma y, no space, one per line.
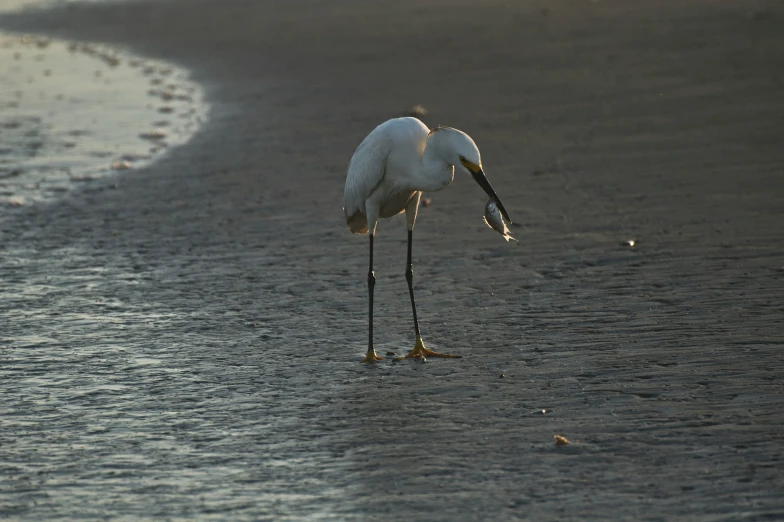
495,221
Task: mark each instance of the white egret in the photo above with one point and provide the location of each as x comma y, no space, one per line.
387,174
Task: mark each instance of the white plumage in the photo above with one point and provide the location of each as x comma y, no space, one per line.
396,162
393,144
387,174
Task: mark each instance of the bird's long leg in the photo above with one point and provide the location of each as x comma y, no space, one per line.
410,280
419,351
371,352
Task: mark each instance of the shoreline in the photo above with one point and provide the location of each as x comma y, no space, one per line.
186,344
76,112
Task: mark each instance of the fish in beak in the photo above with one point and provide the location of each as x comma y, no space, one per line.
495,221
479,176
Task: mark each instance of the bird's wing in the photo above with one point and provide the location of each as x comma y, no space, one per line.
365,171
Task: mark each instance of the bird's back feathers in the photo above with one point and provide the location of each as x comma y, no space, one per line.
368,165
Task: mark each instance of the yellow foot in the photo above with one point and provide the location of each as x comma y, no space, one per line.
371,357
420,352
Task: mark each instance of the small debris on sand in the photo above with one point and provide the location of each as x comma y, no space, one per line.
426,202
416,111
110,60
560,440
157,134
122,165
15,202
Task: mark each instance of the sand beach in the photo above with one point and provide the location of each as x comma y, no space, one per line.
182,340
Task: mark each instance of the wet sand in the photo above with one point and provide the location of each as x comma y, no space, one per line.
71,112
183,341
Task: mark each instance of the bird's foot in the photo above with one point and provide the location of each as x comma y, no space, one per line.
422,353
371,357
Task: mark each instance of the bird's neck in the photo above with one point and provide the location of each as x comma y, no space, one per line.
435,172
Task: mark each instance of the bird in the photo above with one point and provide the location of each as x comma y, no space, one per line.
386,176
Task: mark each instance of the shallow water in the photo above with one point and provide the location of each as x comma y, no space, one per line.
72,112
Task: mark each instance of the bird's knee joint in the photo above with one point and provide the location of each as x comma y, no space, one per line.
371,278
409,274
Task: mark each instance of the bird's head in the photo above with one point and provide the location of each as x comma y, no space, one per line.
461,152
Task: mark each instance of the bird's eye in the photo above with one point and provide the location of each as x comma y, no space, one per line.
462,158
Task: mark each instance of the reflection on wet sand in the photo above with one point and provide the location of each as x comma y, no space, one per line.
74,112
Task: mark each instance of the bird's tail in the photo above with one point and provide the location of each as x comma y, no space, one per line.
357,222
